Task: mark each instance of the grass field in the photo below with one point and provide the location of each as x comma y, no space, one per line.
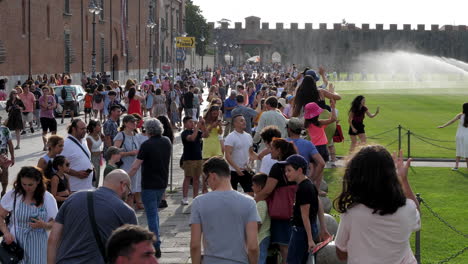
445,192
417,106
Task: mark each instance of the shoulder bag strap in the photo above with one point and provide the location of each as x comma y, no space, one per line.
92,220
81,147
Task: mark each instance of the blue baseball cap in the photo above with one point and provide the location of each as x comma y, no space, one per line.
296,160
313,74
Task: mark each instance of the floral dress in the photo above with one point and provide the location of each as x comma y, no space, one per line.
159,108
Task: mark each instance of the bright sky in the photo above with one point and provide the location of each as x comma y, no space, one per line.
442,12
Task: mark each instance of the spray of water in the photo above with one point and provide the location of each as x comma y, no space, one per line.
411,72
415,64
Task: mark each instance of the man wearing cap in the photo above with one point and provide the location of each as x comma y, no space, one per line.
305,211
306,149
229,104
147,81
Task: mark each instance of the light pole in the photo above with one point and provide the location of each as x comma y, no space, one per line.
215,44
150,25
236,51
224,51
230,55
94,9
202,39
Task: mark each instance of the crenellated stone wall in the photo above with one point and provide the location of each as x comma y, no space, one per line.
337,46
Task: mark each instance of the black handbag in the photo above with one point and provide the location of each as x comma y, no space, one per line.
12,253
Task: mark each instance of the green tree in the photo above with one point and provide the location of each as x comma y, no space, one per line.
196,26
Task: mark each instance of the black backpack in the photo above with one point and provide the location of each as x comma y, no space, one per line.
64,93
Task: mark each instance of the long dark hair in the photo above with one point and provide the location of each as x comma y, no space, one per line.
312,121
286,148
306,93
465,111
167,128
356,105
91,125
371,179
36,174
131,93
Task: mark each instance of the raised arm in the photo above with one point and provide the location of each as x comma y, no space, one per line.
330,95
457,117
373,115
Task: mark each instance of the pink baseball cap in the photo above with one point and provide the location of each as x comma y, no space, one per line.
312,110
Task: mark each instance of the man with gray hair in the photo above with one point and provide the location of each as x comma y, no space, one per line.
154,157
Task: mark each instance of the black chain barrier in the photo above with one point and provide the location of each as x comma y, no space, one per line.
433,139
430,143
436,215
385,132
447,259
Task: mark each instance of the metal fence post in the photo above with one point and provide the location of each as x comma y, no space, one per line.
399,137
409,143
417,239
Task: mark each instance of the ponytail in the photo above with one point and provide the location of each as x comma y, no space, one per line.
286,148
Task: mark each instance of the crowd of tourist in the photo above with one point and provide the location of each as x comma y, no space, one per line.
255,150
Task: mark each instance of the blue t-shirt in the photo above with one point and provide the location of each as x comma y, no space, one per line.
229,103
306,148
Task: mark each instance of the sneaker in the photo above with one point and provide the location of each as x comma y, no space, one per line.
32,130
163,204
158,253
62,121
23,132
17,147
184,201
455,169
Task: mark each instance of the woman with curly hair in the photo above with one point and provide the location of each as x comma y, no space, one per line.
378,209
357,113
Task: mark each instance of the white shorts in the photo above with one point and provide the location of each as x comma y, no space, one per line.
27,117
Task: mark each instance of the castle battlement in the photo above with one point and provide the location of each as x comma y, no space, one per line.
253,23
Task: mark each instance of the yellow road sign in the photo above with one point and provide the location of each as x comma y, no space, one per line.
185,42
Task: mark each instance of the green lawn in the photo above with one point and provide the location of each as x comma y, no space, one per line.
419,107
445,192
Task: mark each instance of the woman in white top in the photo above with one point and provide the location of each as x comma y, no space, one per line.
95,145
462,135
33,210
127,140
378,209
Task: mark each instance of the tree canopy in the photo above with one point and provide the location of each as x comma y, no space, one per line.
196,26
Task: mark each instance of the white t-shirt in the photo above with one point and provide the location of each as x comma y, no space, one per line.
78,161
240,143
374,238
267,163
8,200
